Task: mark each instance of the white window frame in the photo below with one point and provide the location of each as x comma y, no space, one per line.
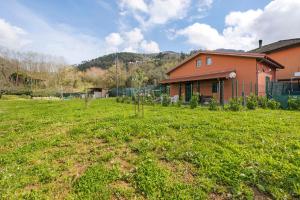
198,66
207,59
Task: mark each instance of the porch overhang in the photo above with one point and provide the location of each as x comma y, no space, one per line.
207,76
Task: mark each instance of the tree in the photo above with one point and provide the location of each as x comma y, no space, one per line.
139,78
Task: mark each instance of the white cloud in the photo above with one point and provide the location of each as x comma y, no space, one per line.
203,5
162,11
132,41
149,47
158,12
136,5
278,20
202,34
134,36
12,36
114,40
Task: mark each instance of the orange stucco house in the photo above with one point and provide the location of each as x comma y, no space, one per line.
287,52
222,75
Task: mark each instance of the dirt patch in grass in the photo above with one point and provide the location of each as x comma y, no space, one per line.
123,190
121,184
124,165
215,196
123,159
258,195
31,187
184,170
79,164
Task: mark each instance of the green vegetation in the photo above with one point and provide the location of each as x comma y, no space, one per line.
65,150
294,103
252,102
107,61
213,104
166,100
194,101
273,104
235,104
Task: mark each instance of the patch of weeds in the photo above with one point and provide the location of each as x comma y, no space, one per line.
44,173
75,132
150,179
143,147
93,184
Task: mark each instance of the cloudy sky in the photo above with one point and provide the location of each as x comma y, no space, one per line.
84,29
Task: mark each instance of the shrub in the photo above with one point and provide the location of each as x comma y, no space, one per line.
149,99
294,103
122,99
235,104
194,101
134,99
273,104
126,99
213,104
252,102
263,102
118,99
179,102
165,100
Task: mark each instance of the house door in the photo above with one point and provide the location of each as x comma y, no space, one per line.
221,88
188,91
267,86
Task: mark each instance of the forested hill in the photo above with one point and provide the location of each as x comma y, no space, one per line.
104,62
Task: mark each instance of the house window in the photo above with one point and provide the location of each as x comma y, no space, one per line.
198,63
208,60
215,87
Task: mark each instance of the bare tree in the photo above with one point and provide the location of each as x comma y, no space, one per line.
139,79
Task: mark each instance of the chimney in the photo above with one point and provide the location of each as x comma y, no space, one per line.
260,43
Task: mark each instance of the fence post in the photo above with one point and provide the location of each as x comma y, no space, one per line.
219,91
237,88
222,92
179,89
232,88
243,93
256,89
192,89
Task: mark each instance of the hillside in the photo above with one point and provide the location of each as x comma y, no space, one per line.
107,61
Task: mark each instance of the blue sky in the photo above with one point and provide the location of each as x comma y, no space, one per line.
84,29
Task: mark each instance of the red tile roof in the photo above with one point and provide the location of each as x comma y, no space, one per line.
277,46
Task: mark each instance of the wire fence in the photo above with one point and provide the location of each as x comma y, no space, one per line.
149,89
282,91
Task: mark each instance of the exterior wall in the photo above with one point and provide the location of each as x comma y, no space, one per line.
290,58
263,72
245,69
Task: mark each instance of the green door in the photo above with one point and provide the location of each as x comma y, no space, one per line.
267,86
188,91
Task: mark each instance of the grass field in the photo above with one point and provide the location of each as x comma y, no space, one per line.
63,150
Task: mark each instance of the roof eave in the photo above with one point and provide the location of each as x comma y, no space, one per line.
272,62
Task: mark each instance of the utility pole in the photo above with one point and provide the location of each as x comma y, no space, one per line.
117,81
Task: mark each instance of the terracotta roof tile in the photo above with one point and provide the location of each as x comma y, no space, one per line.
276,46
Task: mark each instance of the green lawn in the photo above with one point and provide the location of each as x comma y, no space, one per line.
63,150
